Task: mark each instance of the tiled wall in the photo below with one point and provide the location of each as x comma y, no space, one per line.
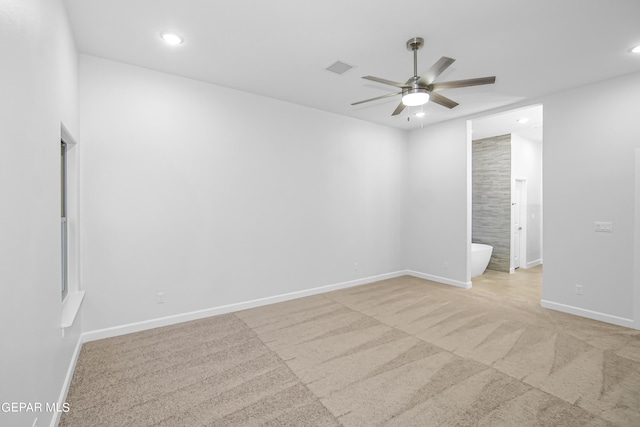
491,205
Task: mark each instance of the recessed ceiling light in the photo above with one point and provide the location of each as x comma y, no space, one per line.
636,49
523,120
171,38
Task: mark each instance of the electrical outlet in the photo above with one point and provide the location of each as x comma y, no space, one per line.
445,265
160,297
578,289
356,267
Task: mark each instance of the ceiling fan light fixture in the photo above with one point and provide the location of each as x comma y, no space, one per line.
415,97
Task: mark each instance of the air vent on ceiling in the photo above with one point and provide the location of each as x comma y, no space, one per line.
339,67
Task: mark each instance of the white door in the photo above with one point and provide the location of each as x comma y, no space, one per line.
516,227
519,223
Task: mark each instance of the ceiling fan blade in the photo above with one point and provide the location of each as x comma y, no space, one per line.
385,81
377,97
442,100
464,83
435,70
398,109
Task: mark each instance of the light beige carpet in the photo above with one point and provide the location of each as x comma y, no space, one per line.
400,352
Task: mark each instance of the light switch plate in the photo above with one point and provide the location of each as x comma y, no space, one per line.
603,227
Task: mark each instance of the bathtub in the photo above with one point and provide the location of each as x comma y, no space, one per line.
480,256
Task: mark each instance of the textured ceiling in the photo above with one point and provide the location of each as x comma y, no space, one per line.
281,48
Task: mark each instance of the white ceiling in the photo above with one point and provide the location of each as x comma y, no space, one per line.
281,48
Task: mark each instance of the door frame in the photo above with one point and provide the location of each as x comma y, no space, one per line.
636,251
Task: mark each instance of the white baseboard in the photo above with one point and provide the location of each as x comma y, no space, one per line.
607,318
443,280
229,308
67,382
534,263
224,309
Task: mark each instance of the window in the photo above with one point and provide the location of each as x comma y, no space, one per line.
71,293
63,220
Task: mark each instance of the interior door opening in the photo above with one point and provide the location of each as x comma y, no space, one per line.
514,215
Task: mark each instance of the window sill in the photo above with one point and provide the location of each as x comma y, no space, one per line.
71,307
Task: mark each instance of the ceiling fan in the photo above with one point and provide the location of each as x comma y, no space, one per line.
418,90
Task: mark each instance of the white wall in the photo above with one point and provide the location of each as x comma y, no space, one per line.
589,144
526,162
437,222
38,82
215,196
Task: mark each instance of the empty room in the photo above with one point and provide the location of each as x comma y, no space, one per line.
289,213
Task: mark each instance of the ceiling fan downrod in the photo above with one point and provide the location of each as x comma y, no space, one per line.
414,45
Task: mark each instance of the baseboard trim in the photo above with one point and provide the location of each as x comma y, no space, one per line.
229,308
607,318
443,280
534,263
55,420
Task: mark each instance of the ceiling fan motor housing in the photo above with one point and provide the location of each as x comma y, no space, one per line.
416,94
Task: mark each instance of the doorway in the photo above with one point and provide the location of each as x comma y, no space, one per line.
523,169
